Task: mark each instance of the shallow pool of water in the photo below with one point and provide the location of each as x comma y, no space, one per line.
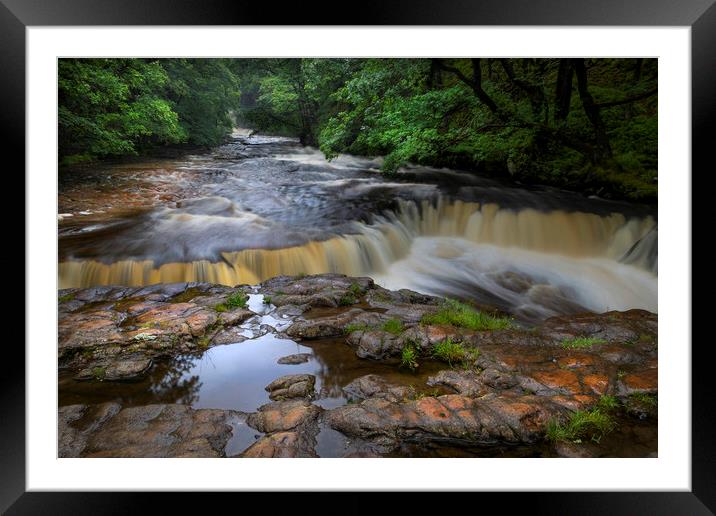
234,376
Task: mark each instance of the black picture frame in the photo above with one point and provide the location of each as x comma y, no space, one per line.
700,15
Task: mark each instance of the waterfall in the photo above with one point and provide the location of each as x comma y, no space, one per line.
372,248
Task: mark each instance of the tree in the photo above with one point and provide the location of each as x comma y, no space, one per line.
113,107
291,96
563,121
580,123
203,92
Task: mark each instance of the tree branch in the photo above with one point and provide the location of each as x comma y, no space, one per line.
475,83
534,93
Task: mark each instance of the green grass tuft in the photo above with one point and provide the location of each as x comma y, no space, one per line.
644,398
350,328
582,342
237,300
267,300
582,425
394,326
347,299
449,351
356,289
67,297
608,403
414,395
460,314
409,356
99,373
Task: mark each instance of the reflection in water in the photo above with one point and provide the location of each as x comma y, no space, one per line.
178,382
234,376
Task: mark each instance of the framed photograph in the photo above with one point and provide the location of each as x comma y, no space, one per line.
431,248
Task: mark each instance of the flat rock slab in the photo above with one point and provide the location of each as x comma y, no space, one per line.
290,427
372,385
121,369
298,358
375,344
628,326
292,386
282,445
468,383
97,323
329,326
444,418
280,416
321,290
233,335
147,431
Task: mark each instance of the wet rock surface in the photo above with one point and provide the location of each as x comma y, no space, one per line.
283,415
323,290
298,358
450,417
504,389
290,428
292,386
149,431
117,322
126,369
372,385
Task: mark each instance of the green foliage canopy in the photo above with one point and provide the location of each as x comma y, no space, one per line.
585,124
112,107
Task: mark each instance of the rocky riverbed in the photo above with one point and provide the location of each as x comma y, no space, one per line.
334,366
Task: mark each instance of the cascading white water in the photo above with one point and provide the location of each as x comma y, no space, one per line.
530,262
285,210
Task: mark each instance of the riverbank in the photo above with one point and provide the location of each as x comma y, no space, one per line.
336,366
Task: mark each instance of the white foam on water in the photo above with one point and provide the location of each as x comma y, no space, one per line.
531,283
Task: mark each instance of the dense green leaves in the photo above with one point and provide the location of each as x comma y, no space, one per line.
291,96
503,116
113,106
110,107
203,92
587,124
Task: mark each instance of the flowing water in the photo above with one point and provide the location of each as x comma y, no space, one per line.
264,206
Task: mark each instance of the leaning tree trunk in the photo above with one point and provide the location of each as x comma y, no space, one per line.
602,150
563,89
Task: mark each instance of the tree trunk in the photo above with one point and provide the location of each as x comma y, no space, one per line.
477,86
602,149
534,92
563,89
435,79
475,83
629,108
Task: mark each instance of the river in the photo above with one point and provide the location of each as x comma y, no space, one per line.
261,206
